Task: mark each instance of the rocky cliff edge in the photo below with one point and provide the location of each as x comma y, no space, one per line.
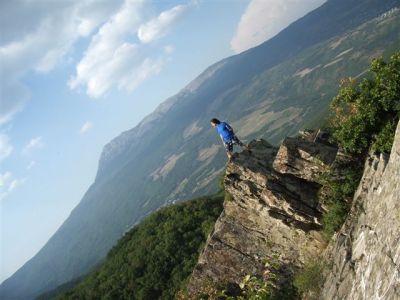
271,212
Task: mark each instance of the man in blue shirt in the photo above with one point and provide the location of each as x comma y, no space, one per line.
227,135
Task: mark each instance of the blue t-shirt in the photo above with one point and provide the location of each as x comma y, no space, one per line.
225,131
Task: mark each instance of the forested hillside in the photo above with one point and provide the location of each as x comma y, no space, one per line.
154,259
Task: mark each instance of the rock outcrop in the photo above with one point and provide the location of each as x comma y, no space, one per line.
272,210
365,254
303,158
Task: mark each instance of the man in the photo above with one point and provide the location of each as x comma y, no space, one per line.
227,135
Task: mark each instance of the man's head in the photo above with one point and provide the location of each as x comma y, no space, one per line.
214,122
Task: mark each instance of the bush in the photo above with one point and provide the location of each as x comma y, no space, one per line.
333,218
366,114
309,280
338,187
384,139
274,284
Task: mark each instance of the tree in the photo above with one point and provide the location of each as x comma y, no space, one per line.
365,115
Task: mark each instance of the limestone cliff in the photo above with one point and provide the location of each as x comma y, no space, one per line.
366,251
273,210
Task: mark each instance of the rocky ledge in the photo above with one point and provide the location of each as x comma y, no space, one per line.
272,211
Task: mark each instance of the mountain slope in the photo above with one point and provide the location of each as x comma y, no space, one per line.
269,91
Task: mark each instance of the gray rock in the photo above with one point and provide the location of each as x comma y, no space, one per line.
303,158
366,251
274,210
270,213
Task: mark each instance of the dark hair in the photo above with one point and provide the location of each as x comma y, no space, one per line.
215,121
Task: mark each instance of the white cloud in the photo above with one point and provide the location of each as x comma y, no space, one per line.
5,147
158,27
13,96
34,143
8,183
109,57
36,35
86,127
169,49
13,185
112,59
4,178
39,35
263,19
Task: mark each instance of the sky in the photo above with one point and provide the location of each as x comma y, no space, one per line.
75,74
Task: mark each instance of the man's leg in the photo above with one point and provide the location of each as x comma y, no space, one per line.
238,142
229,148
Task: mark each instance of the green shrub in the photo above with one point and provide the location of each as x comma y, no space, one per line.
309,280
333,218
251,288
338,187
366,114
384,139
272,285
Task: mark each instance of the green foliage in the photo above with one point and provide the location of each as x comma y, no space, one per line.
365,117
251,288
384,139
155,258
272,285
222,192
366,114
59,290
334,217
228,197
338,187
309,280
255,288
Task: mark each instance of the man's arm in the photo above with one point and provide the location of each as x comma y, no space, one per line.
222,139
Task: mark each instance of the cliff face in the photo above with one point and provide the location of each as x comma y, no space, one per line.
273,211
366,252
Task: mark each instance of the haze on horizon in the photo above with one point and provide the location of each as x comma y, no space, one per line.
75,74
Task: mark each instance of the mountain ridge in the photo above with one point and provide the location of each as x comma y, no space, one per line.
300,38
144,126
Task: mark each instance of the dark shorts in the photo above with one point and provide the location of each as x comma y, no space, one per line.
229,144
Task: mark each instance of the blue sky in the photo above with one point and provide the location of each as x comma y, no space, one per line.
75,74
